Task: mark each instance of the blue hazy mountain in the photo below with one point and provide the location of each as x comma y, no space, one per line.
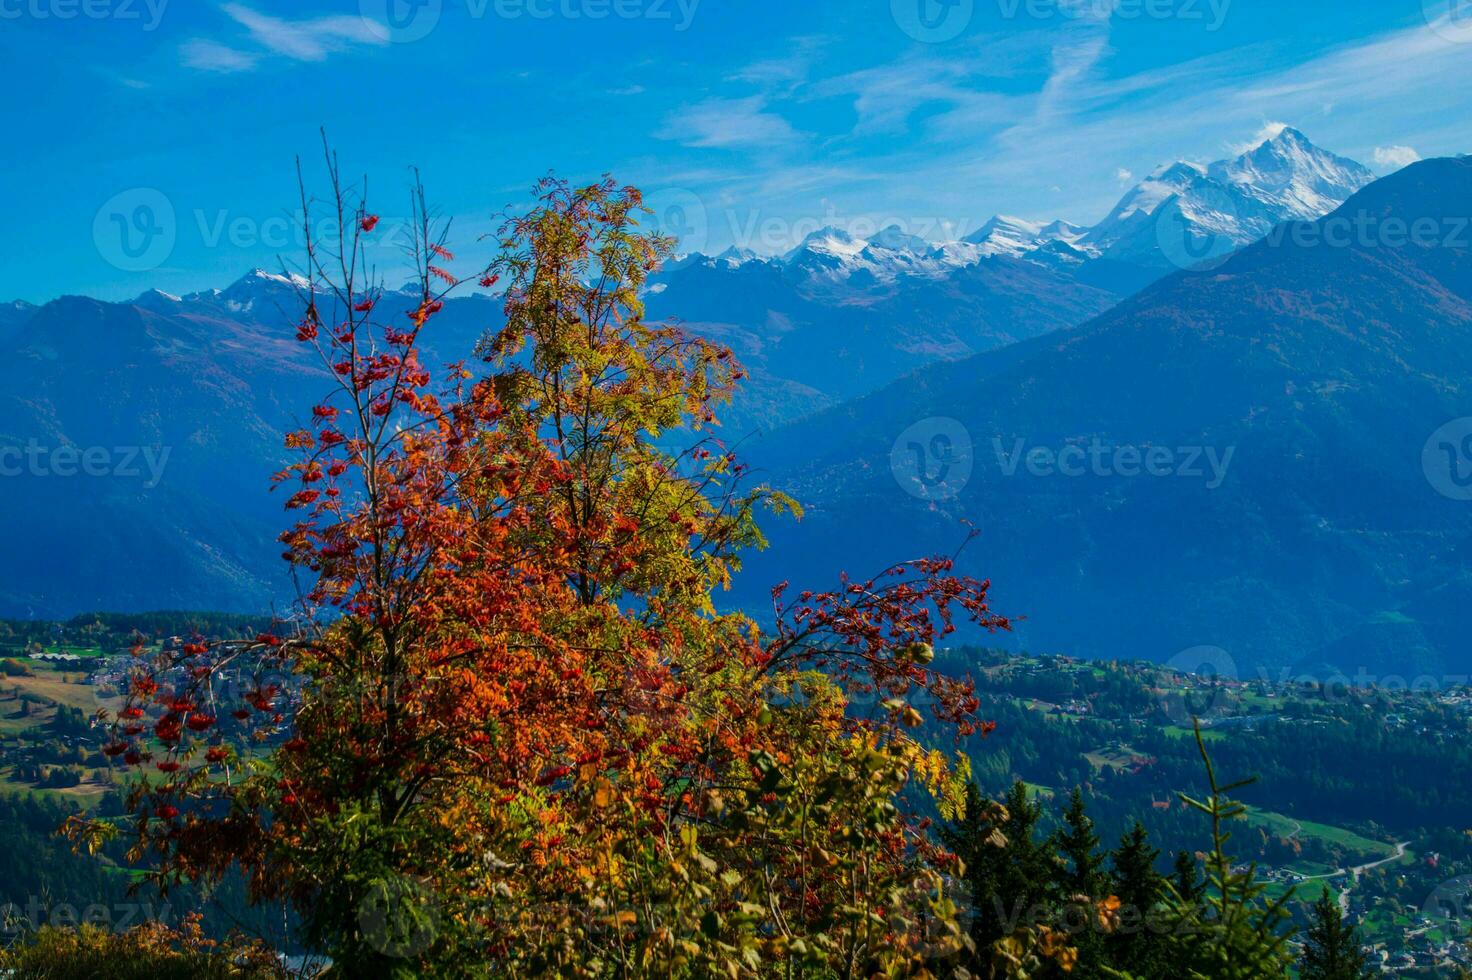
1300,402
1303,361
182,402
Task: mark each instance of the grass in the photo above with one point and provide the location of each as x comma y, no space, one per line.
85,795
12,724
1208,734
1117,759
57,688
1303,891
1284,826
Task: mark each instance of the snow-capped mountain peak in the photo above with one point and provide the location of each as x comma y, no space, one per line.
258,277
895,239
1309,181
828,241
1228,203
734,256
1005,234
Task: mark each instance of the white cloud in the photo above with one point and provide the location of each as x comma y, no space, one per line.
1395,157
1269,131
212,56
726,123
1079,51
886,98
300,40
1124,176
303,40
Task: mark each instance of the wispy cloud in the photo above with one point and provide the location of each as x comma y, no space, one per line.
728,124
117,78
304,40
1080,48
213,56
1269,131
311,40
786,74
887,98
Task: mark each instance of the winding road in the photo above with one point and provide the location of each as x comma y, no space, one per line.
1355,872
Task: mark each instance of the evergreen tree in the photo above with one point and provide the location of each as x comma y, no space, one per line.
1135,946
1083,883
976,839
1134,878
1331,949
1078,845
1008,873
1234,931
1186,879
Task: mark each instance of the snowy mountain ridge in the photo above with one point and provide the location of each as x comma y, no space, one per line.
1182,213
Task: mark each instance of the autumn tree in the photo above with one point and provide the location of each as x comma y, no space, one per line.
509,732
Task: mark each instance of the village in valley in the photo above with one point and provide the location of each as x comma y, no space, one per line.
1125,730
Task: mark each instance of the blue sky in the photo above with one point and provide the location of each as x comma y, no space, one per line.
177,121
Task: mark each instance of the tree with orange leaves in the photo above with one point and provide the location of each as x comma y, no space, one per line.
509,732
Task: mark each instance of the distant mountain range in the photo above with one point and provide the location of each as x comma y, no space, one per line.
1315,375
1182,215
828,326
182,402
840,315
1270,456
